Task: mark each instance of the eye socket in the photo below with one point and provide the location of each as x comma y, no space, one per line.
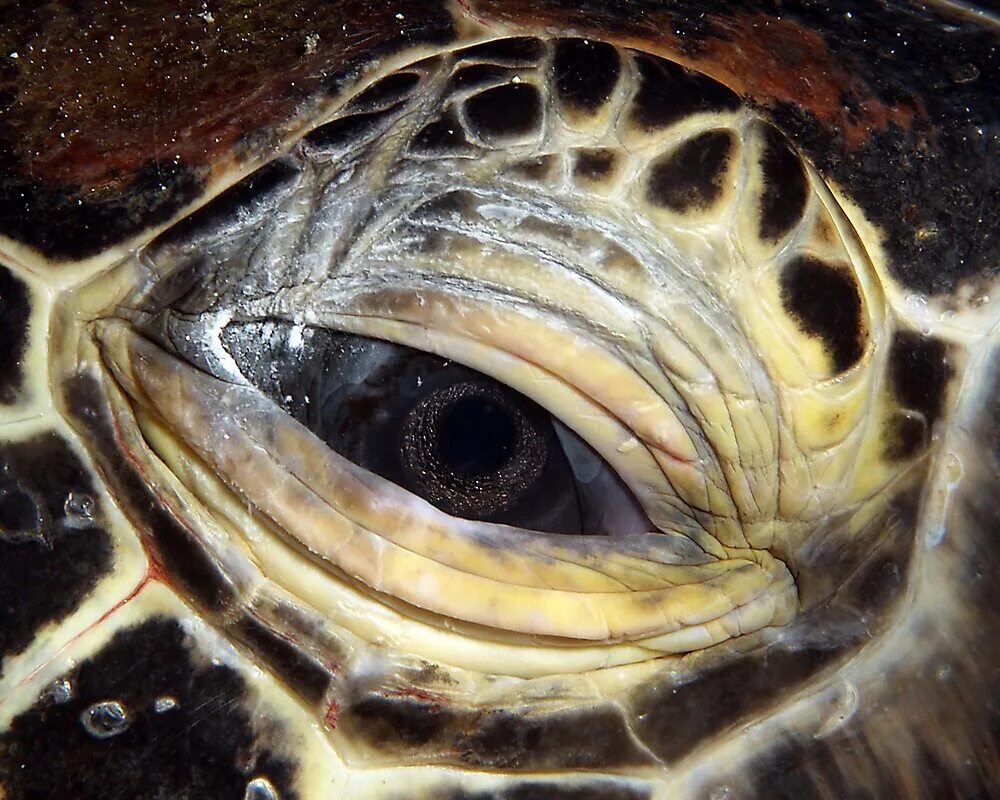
466,443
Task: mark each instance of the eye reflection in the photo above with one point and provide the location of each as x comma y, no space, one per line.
466,443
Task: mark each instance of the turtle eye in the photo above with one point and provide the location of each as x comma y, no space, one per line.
466,443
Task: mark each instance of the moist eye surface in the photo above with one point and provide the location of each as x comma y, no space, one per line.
468,444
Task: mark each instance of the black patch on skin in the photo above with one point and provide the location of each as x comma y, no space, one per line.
347,132
15,318
783,200
205,746
690,178
188,566
867,571
826,302
668,92
478,75
673,720
47,566
512,111
536,168
289,662
593,164
919,371
905,436
591,738
585,72
390,722
255,188
442,137
521,50
66,224
815,770
385,92
592,789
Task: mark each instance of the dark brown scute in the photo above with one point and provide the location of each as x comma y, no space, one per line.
826,302
442,137
783,200
204,746
475,76
585,72
15,317
48,563
593,163
509,112
347,131
591,789
517,50
509,739
385,92
172,545
66,223
285,658
691,177
668,93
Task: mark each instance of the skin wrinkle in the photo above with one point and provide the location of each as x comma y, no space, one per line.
520,357
397,322
641,418
754,487
262,448
737,570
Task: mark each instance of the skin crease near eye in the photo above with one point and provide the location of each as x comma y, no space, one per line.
499,400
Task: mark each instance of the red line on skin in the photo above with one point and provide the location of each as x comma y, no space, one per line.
152,573
332,715
413,693
467,8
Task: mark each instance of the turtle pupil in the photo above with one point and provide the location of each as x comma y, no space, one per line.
476,437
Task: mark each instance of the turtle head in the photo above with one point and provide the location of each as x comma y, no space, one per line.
547,404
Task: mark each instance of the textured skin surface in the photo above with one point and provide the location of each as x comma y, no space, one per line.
189,745
825,707
868,93
50,559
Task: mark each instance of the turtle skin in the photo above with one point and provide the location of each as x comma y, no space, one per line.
845,158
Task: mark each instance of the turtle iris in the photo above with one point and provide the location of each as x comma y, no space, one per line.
466,443
471,450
